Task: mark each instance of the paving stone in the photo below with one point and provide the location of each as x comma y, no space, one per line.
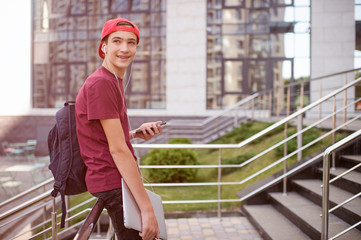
211,229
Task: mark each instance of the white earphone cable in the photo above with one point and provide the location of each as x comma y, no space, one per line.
120,91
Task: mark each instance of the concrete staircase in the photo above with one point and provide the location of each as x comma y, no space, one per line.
297,214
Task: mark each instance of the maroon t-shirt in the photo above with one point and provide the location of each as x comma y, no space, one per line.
100,98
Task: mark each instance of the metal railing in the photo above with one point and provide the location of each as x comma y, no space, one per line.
296,117
267,105
38,204
295,120
326,186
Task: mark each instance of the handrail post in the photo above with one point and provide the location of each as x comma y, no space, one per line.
67,202
235,122
302,94
333,128
319,97
299,136
325,196
252,114
219,182
288,100
44,220
345,100
270,103
264,102
285,150
278,100
54,225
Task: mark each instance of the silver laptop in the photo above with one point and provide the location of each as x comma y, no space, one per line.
132,218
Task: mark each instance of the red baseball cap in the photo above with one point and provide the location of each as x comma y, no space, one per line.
112,26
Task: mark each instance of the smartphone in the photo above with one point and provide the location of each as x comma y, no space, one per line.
160,124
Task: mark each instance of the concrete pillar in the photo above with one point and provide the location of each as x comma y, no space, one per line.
186,57
15,61
332,46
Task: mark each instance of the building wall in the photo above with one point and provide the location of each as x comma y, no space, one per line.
15,64
332,44
186,61
186,57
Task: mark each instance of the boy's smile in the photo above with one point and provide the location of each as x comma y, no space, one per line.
120,51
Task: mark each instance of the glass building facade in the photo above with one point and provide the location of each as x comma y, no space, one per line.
66,36
251,46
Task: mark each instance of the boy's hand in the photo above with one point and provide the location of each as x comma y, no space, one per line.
148,130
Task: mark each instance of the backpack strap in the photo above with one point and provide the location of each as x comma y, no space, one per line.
62,190
67,103
60,183
63,209
56,189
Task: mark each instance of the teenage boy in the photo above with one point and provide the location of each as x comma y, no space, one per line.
103,131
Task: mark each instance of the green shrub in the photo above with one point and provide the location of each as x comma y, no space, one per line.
180,141
172,157
307,137
248,129
234,160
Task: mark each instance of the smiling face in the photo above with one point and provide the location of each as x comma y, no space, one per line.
120,48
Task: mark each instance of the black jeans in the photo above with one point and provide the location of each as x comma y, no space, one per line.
113,202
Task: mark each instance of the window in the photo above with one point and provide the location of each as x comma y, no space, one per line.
259,40
65,49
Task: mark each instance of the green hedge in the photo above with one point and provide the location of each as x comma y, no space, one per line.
307,137
172,157
233,161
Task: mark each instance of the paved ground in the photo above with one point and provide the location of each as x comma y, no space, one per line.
211,228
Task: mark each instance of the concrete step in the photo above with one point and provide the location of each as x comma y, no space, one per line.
272,224
337,195
306,215
354,177
354,158
350,212
351,160
97,236
350,182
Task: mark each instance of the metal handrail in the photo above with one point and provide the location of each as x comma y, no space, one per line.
345,172
225,146
252,105
257,135
24,205
27,192
326,180
254,137
260,93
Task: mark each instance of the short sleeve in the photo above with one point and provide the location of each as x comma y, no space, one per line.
102,101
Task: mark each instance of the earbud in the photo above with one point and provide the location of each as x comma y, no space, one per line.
104,50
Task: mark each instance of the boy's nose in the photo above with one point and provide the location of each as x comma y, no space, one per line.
124,47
